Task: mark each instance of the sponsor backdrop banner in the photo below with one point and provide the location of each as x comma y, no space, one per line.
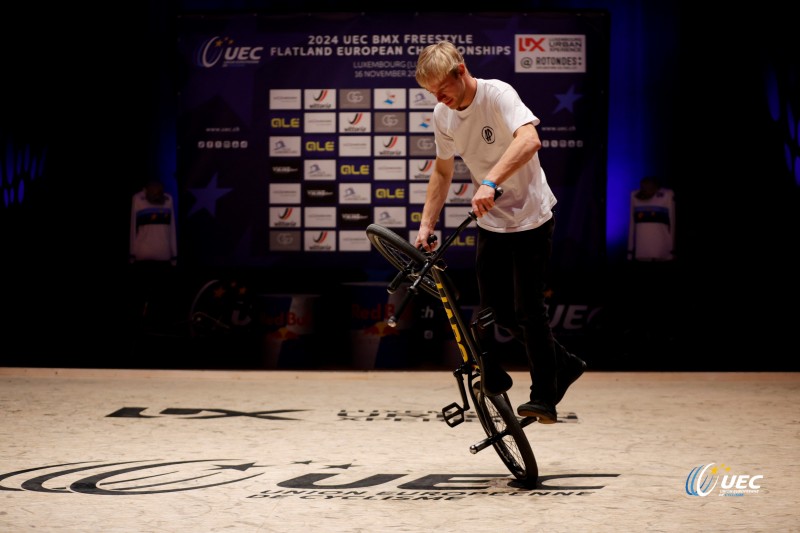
297,131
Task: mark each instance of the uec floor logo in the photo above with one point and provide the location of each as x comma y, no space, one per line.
702,480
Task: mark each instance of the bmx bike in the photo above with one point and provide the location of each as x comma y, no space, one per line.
504,429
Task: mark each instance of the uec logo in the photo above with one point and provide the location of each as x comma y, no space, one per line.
223,48
703,479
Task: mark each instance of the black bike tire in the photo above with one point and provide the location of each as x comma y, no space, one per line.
496,415
400,253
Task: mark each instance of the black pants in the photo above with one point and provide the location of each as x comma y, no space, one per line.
512,270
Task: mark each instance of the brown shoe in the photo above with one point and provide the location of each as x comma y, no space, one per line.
544,411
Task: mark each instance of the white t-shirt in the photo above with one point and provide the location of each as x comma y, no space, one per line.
153,235
480,135
651,231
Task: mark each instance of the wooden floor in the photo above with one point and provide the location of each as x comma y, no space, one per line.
84,450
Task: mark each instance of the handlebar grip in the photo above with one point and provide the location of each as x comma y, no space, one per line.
498,192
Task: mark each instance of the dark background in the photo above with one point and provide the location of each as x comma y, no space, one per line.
93,90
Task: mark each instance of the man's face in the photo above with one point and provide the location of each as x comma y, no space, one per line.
449,91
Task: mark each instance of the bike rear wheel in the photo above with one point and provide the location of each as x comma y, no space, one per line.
402,255
497,417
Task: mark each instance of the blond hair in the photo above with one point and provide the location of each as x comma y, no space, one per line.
437,61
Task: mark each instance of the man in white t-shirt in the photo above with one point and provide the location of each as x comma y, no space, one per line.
651,285
651,229
488,126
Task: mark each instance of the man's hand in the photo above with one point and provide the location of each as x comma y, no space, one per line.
422,239
483,200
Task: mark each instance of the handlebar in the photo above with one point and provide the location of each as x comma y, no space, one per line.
431,259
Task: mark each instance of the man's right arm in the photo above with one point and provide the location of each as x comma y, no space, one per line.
435,197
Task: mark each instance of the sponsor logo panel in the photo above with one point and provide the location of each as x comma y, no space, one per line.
284,146
391,217
389,145
390,193
284,193
390,122
355,193
284,241
319,145
351,217
285,122
285,217
390,169
355,146
285,169
319,99
319,169
355,168
420,169
355,99
390,98
319,193
353,241
535,53
320,217
285,99
319,241
355,122
422,146
319,123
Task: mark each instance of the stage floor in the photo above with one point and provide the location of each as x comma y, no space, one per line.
88,450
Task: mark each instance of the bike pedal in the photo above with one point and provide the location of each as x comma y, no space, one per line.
453,414
484,319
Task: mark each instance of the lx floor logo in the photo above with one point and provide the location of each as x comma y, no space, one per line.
362,415
200,413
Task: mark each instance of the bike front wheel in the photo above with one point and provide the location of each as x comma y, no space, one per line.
510,442
402,255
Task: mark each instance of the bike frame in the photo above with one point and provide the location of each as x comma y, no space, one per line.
454,413
465,338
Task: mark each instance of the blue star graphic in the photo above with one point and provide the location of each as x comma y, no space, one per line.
566,100
207,198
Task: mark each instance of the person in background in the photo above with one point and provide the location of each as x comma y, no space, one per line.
153,248
485,122
652,259
651,230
